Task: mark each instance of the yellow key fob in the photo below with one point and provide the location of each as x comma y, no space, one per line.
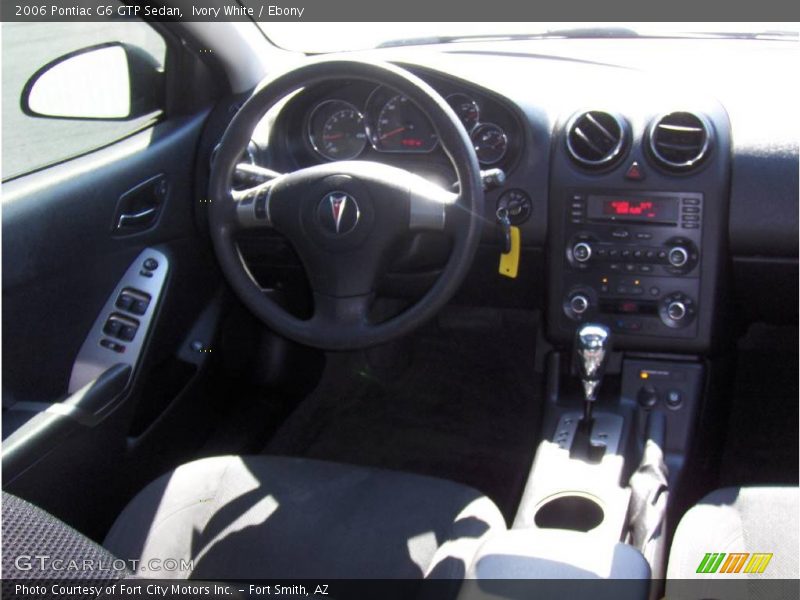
509,262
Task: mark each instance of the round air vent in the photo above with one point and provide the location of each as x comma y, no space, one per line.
596,139
679,141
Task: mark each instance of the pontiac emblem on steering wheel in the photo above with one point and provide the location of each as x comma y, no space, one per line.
338,213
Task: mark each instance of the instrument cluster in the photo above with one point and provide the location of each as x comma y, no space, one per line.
388,122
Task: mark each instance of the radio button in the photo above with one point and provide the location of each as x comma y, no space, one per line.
613,252
691,225
645,268
630,268
662,254
620,234
691,209
626,253
637,254
691,201
615,267
691,217
644,236
650,254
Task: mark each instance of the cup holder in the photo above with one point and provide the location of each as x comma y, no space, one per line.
571,511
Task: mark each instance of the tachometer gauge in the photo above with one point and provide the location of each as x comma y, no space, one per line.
336,130
466,108
491,143
402,127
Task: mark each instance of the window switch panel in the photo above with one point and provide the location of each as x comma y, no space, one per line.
133,301
128,314
121,327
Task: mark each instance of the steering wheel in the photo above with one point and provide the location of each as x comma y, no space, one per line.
343,218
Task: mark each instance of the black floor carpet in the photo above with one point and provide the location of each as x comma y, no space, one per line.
460,401
762,440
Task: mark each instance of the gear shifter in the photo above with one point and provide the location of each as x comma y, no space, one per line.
592,349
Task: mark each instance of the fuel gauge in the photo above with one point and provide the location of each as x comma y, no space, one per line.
466,108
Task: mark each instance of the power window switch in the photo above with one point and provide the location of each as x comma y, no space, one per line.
125,301
112,345
139,307
127,333
112,327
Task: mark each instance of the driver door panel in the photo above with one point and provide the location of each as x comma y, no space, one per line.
63,259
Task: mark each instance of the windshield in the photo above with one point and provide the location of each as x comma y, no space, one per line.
316,37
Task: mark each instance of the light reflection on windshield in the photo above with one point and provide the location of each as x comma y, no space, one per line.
336,37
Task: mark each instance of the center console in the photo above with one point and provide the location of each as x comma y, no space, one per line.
636,242
631,260
637,227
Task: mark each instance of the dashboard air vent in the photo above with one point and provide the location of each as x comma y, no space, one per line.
596,139
679,141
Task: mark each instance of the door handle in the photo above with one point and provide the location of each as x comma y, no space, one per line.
138,219
138,209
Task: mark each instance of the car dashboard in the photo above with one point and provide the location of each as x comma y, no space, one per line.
635,191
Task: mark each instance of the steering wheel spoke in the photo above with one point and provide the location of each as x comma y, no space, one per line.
341,311
428,205
252,206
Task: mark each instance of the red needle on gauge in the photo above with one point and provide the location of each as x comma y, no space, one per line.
392,132
335,136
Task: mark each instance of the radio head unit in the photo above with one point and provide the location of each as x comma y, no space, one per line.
630,260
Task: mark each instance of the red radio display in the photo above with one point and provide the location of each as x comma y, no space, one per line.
634,208
618,208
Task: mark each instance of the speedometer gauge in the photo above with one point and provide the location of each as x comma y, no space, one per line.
402,127
336,130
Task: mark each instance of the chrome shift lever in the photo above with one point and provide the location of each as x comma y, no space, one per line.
592,347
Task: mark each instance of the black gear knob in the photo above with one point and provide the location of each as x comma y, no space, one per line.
592,349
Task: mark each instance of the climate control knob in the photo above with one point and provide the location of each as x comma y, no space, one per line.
582,252
579,304
676,310
678,257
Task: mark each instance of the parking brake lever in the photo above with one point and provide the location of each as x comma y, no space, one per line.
649,494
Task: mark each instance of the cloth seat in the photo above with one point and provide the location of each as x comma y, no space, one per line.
260,517
739,520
